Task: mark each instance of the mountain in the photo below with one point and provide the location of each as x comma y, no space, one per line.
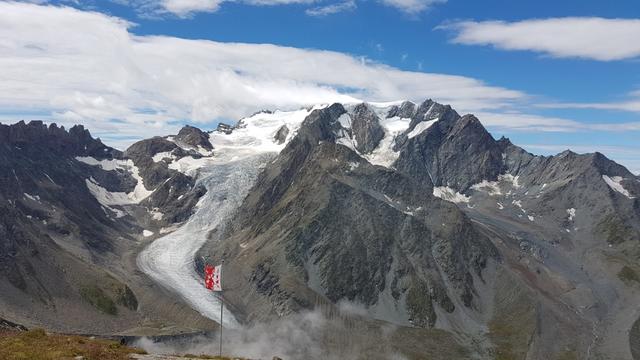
71,217
399,218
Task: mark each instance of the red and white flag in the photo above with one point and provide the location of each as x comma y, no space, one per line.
213,277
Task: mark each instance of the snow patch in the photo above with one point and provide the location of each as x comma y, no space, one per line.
449,194
615,184
32,197
189,165
163,155
156,215
106,197
490,187
147,233
510,178
421,127
384,155
139,193
572,213
345,121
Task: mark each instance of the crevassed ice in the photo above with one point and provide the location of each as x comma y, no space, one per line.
227,175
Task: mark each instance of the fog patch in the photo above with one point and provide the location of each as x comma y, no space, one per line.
336,332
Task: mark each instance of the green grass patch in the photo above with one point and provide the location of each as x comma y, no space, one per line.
38,345
99,299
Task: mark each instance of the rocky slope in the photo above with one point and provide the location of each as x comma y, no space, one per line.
72,215
529,263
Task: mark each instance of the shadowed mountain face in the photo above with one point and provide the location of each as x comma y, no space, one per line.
332,223
411,214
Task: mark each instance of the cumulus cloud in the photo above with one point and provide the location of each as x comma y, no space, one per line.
332,9
185,7
570,37
73,66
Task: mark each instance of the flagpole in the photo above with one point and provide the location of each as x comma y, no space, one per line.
221,308
221,312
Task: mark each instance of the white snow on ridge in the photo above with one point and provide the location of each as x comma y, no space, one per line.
615,184
32,197
256,135
163,155
384,155
138,194
189,165
449,194
572,213
421,127
147,233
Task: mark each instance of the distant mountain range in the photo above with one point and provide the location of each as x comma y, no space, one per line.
411,213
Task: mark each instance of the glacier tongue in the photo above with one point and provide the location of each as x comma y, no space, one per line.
228,176
169,259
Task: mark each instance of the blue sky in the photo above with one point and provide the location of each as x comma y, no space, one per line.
550,75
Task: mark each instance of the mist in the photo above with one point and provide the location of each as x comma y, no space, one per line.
324,333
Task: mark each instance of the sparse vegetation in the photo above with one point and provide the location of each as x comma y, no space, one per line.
126,298
420,305
615,230
38,345
628,275
567,355
511,329
99,299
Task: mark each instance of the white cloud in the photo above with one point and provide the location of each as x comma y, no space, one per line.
85,67
332,9
632,104
186,7
571,37
535,123
412,7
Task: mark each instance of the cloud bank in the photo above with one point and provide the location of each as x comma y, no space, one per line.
570,37
74,66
